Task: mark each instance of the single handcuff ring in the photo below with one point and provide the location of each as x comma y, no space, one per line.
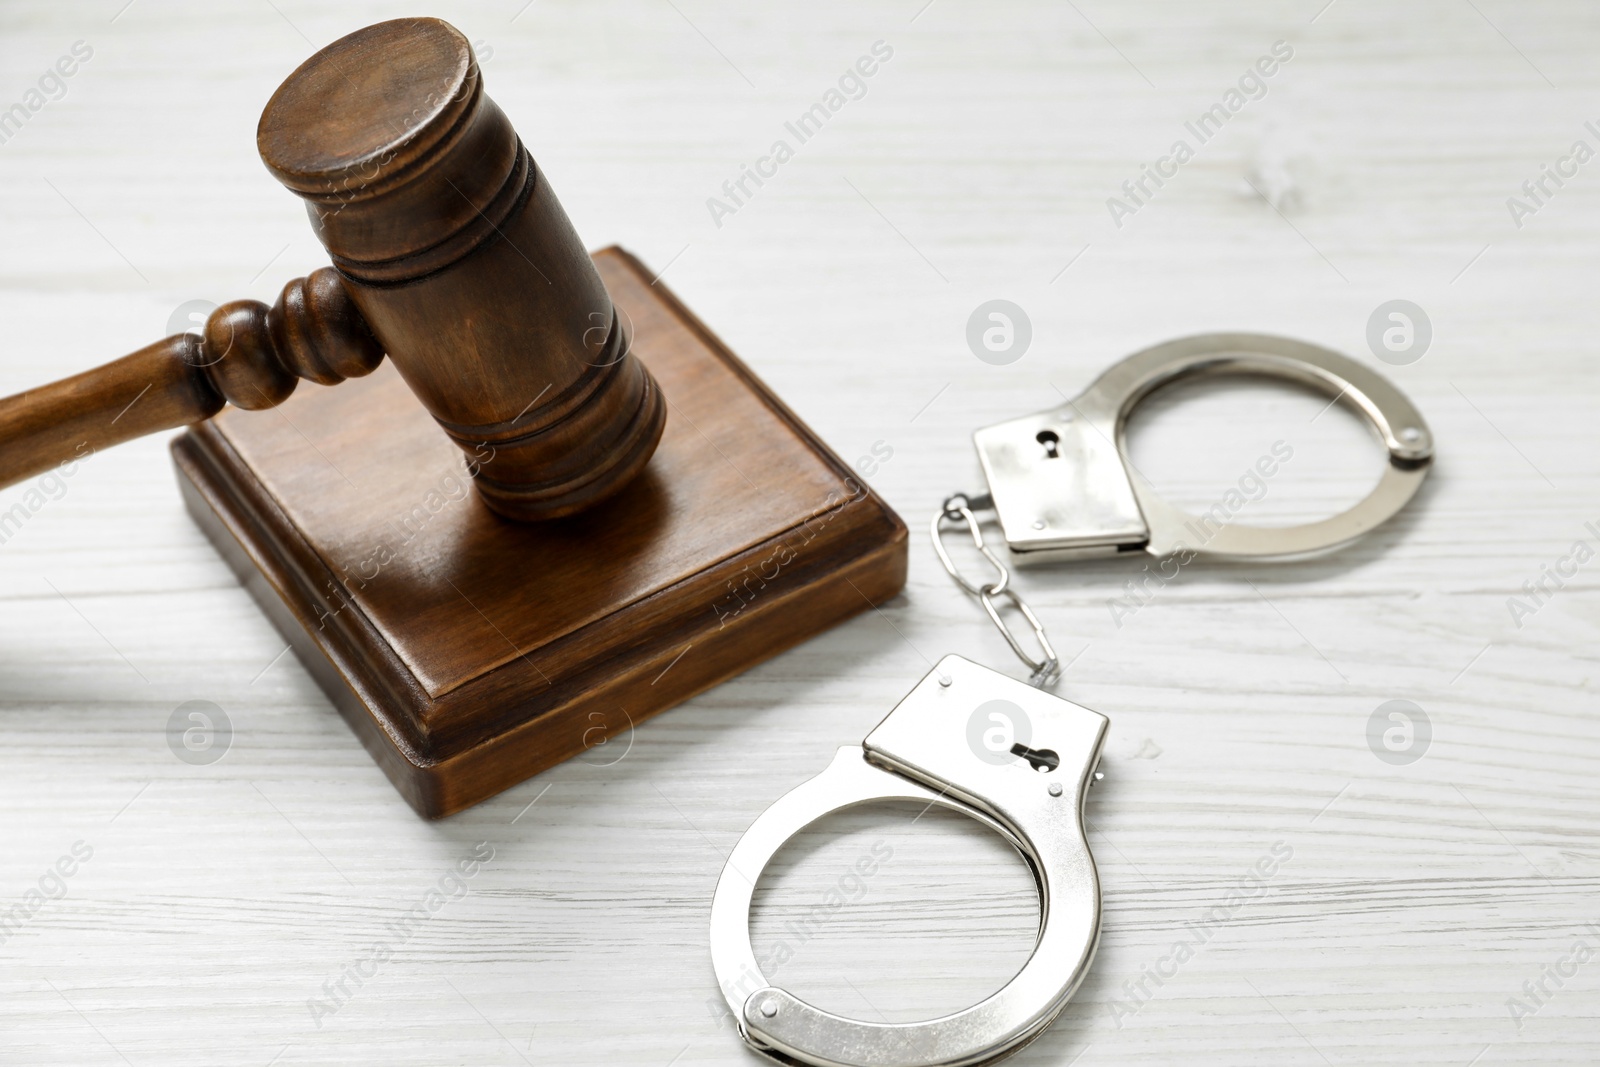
1061,487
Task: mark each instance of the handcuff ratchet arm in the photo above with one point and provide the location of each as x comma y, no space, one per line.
1063,487
920,752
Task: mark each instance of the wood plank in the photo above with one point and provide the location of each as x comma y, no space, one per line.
480,651
221,897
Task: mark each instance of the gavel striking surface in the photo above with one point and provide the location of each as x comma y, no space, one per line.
469,652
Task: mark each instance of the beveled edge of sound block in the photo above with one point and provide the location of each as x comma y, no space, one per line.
849,566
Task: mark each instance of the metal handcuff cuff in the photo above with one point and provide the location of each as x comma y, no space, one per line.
1061,488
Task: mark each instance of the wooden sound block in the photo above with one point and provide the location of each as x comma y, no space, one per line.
470,652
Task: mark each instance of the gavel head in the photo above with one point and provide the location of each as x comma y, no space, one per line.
466,269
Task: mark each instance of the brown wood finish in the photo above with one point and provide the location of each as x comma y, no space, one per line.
460,257
453,256
248,355
470,653
467,651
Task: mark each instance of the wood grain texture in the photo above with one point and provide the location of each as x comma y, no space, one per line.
469,652
220,898
246,354
454,246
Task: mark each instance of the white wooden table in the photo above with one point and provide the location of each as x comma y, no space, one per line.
220,902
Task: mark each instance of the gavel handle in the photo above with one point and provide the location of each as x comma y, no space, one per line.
249,355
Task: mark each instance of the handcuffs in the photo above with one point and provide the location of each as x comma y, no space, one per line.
1061,487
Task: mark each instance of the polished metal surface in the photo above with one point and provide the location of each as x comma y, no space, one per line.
923,752
1047,668
1063,489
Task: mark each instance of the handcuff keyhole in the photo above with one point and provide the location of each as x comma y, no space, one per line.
1043,760
1051,443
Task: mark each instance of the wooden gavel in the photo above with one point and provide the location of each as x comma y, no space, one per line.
451,255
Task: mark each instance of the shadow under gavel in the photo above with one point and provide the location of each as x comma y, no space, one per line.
451,255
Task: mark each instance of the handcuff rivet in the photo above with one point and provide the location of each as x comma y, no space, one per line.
1038,524
1094,503
1055,789
922,752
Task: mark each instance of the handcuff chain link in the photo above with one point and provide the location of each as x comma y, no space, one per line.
957,508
